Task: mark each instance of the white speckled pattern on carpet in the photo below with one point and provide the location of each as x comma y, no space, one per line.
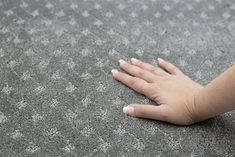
57,95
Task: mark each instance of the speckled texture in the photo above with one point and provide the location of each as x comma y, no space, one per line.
57,95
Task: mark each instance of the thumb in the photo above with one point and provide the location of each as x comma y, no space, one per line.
147,111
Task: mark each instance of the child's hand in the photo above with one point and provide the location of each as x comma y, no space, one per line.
172,90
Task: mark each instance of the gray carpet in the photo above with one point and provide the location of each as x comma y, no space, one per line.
57,95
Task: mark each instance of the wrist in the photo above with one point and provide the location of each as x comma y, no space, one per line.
197,112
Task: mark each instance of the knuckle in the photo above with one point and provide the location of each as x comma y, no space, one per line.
152,89
139,86
163,78
146,89
141,64
134,81
164,114
140,73
139,112
153,70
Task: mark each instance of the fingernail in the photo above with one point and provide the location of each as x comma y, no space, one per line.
133,60
121,62
160,60
114,71
128,110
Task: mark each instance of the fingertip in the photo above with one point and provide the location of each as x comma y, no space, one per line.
114,71
129,110
134,60
121,62
160,60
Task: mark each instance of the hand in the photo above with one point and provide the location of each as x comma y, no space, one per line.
173,91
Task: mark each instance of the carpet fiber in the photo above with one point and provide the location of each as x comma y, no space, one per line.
57,95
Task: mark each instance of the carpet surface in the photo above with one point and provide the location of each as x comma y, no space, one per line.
57,95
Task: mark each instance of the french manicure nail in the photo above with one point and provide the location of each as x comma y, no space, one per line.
128,110
121,62
160,60
114,71
133,60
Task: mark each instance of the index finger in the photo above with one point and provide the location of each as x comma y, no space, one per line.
135,83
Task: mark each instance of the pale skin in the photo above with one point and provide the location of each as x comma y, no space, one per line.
179,99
